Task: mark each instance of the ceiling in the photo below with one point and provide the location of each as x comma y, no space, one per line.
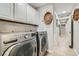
37,5
63,7
58,7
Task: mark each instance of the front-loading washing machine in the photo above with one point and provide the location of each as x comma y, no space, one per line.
18,44
42,43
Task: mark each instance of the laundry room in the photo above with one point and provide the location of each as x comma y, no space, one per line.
39,29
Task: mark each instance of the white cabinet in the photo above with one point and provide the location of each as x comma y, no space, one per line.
20,12
32,15
37,18
6,10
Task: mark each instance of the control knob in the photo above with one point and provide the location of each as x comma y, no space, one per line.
26,36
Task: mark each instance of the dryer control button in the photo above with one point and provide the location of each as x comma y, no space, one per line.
26,36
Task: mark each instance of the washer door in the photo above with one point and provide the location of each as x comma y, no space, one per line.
26,48
44,44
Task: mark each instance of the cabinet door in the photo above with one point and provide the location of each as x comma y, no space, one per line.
6,10
32,15
37,18
20,12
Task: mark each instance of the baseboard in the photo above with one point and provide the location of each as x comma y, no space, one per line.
76,52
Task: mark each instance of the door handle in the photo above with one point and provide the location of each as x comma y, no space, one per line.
10,41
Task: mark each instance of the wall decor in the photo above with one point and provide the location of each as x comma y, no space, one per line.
48,17
76,15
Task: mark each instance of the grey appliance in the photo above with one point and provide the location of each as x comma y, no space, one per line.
42,43
18,44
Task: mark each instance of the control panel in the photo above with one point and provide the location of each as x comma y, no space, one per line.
17,37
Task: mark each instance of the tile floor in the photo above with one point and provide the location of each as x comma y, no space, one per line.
61,48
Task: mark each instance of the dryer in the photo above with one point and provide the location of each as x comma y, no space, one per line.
42,43
18,44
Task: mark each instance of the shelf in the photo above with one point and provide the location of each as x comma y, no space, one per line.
19,22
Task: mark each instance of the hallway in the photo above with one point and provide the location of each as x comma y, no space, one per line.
61,48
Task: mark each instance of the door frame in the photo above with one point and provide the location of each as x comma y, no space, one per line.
71,46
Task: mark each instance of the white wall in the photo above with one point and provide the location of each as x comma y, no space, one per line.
68,30
76,33
44,27
14,27
76,37
56,28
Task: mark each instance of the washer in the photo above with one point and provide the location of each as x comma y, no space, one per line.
18,44
42,43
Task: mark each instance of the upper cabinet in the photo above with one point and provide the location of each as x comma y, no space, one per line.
32,15
6,10
20,12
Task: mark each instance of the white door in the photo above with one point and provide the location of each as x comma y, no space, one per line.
76,36
6,10
20,12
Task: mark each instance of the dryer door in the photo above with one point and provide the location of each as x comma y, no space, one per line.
44,44
26,48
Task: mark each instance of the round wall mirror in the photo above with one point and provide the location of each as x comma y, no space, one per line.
76,15
48,17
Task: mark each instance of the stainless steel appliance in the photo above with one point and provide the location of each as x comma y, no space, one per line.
18,44
42,43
